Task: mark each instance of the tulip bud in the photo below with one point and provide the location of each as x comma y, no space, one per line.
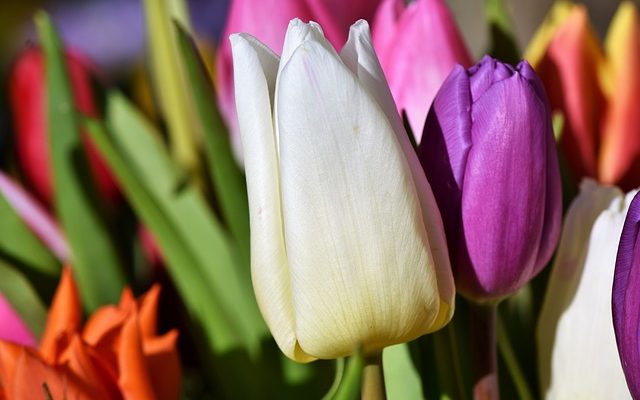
249,16
28,101
619,161
418,45
567,56
489,154
13,329
577,356
626,297
347,245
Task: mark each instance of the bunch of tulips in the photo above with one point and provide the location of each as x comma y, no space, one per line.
336,201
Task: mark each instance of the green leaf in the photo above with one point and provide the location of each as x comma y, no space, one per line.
198,251
24,299
228,179
18,243
401,378
95,262
503,42
168,79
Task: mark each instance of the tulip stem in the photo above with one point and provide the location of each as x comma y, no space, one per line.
506,350
484,351
373,378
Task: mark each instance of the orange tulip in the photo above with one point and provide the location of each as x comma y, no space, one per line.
619,161
116,355
595,88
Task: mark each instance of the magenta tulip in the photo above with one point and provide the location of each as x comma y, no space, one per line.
489,154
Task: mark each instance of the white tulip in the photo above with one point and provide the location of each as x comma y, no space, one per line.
347,245
577,353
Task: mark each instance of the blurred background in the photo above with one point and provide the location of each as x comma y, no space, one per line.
111,32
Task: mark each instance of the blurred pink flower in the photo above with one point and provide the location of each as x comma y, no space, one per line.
418,45
13,329
267,20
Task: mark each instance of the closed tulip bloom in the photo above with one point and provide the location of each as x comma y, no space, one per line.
577,355
489,154
626,297
28,103
347,245
418,44
249,16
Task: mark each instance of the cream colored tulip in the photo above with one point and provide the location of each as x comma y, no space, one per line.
347,245
577,353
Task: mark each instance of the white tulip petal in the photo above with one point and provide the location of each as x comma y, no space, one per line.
359,258
568,265
584,360
297,33
255,69
359,55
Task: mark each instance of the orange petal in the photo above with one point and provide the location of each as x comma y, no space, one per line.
33,378
96,377
65,315
104,322
149,312
134,380
620,153
9,354
164,365
570,71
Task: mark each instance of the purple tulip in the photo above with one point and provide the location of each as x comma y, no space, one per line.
489,153
626,298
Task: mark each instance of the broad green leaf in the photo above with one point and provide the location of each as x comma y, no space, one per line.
401,378
182,265
228,179
24,299
18,243
96,267
169,81
188,228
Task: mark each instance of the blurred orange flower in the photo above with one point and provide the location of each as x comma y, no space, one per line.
116,355
596,88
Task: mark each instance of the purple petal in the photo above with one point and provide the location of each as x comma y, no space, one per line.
504,188
445,145
626,298
35,217
12,328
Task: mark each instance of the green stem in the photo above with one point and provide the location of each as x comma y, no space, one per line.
484,352
507,353
373,378
455,356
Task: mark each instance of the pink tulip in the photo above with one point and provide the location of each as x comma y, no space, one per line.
418,45
12,328
267,20
35,216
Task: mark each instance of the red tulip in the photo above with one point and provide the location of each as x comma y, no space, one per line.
28,101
